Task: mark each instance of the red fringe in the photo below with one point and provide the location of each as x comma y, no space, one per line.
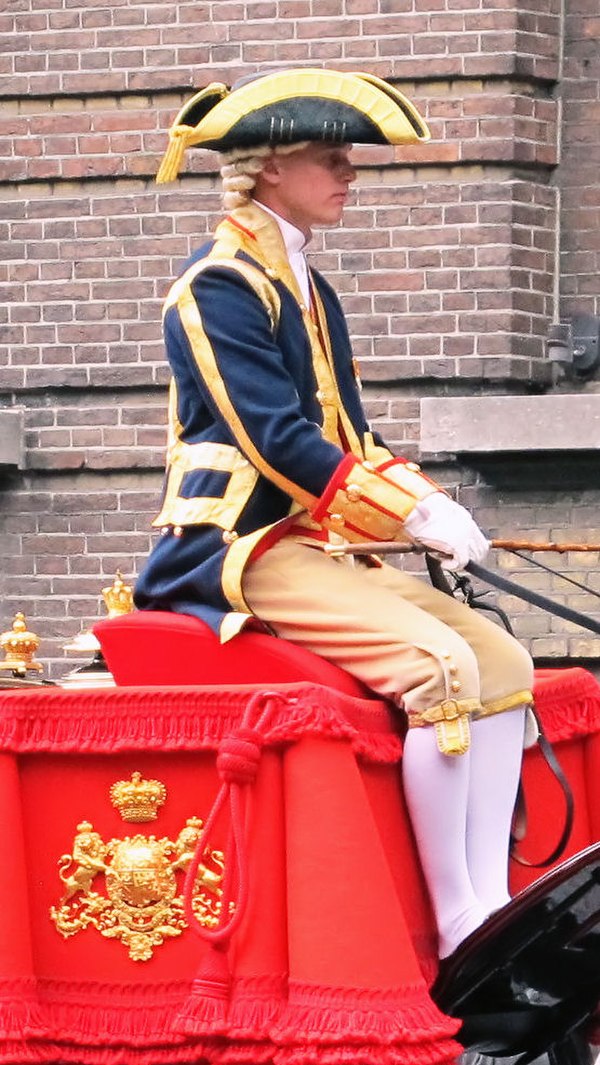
111,720
81,1025
313,1014
322,1015
109,1014
439,1053
50,1053
255,1005
20,1013
364,1054
246,1052
446,1051
568,702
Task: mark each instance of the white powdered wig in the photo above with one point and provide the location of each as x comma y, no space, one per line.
241,167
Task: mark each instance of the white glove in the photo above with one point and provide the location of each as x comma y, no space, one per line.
440,523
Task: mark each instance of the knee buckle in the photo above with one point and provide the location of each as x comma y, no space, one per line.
450,719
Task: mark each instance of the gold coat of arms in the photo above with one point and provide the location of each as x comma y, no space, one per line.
141,904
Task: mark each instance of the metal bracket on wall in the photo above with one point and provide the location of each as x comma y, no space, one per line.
12,437
574,346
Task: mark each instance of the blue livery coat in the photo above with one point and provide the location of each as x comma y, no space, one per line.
264,414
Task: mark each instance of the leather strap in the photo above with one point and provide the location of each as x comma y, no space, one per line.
520,818
559,609
437,575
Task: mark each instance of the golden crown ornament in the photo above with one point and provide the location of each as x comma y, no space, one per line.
138,800
19,646
118,598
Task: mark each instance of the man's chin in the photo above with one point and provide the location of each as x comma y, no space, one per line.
329,221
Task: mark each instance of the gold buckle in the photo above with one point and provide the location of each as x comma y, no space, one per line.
450,709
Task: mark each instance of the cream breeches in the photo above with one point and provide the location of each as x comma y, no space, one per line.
404,639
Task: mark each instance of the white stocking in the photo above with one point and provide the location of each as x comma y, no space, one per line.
436,787
461,809
496,754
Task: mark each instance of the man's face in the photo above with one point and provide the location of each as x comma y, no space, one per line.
308,187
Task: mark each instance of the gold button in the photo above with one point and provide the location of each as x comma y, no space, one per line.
320,396
229,536
445,654
303,308
452,669
455,686
165,530
337,519
271,273
353,493
177,530
414,466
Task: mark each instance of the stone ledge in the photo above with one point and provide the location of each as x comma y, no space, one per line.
12,438
490,424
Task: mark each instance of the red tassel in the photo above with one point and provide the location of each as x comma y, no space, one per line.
206,1009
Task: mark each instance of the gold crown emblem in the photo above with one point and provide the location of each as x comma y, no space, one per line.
138,799
118,598
19,646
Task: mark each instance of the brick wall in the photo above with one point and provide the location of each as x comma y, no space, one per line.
141,46
580,249
446,263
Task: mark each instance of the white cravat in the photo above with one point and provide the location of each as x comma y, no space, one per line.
295,243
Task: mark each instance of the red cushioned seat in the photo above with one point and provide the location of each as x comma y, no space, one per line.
151,647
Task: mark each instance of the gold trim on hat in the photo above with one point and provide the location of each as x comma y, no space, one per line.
181,132
394,116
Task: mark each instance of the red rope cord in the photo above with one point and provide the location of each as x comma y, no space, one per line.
238,758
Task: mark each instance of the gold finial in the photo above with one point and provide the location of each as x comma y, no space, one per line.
118,599
138,799
19,646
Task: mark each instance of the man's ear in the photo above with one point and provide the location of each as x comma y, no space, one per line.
271,172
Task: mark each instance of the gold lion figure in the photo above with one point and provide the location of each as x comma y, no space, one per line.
185,846
89,852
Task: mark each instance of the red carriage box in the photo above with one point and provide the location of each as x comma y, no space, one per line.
315,937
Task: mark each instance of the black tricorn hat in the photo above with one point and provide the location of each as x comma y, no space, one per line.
288,106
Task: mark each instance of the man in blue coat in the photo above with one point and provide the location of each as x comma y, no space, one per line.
270,458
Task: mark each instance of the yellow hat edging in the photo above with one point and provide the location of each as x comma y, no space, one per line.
214,113
181,134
